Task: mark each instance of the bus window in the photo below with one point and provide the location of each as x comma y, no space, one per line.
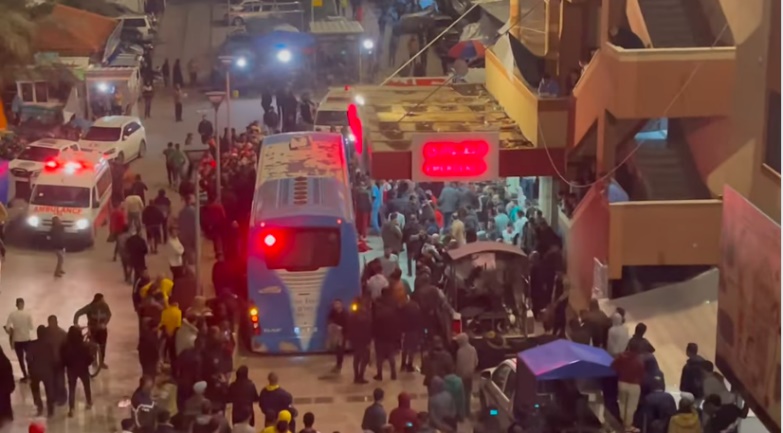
301,249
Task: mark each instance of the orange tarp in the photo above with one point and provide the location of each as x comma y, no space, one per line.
73,32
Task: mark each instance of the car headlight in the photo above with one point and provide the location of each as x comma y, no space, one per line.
33,221
82,224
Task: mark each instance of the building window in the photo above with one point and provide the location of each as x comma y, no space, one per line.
772,148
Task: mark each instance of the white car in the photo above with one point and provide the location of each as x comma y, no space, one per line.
141,23
28,165
120,138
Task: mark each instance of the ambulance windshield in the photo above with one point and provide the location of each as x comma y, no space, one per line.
65,196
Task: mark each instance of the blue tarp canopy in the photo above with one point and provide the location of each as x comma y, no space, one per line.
564,359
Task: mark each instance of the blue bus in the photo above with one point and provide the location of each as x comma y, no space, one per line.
302,247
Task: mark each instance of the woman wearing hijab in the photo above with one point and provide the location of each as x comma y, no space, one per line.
242,394
76,358
7,385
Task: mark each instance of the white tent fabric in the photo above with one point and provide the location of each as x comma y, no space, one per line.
502,50
675,315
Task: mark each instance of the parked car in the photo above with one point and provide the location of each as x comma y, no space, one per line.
141,23
238,15
119,138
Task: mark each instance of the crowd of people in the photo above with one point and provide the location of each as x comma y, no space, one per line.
637,397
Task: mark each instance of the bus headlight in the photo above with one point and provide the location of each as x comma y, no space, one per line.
33,221
82,224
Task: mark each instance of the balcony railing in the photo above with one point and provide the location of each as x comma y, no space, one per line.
589,97
543,120
669,233
675,82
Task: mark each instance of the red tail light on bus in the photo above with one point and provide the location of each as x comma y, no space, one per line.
254,320
456,326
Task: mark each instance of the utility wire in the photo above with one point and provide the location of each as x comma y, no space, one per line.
614,169
451,79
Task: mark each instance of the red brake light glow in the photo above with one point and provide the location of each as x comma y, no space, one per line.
355,125
270,240
51,164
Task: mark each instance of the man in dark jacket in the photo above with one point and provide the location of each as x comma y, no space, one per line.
658,406
412,334
692,377
242,394
386,333
57,239
363,199
643,343
274,399
98,316
56,337
154,221
41,366
142,405
205,129
137,253
359,334
413,241
188,370
375,415
598,323
438,363
722,417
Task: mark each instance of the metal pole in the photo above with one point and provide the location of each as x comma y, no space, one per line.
199,287
228,124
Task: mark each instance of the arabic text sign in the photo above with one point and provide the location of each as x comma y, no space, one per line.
57,210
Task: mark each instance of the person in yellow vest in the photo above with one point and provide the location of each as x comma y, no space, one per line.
170,321
161,283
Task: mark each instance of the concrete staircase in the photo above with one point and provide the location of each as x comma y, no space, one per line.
667,169
669,24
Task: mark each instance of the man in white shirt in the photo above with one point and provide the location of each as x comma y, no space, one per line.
134,205
174,251
19,326
375,286
389,262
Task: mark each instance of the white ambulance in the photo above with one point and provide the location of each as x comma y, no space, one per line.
76,188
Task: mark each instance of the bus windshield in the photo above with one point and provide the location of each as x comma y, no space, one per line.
64,196
302,249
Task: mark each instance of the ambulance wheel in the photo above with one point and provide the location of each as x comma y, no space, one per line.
142,149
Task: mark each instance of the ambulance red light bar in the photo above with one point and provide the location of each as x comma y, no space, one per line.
270,240
67,166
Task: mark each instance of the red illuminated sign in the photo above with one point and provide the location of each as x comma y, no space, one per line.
355,125
452,156
455,159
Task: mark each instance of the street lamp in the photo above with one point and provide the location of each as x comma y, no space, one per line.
227,62
284,56
194,159
216,98
366,45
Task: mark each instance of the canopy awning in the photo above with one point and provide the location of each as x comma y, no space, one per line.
73,32
564,359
